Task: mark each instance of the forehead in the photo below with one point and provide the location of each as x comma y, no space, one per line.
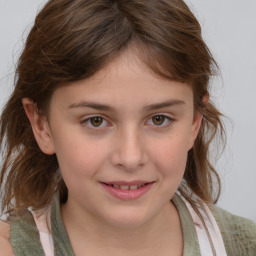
124,82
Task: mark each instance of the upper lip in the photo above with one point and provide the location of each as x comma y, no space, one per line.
129,183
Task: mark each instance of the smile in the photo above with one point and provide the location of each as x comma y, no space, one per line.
127,191
127,187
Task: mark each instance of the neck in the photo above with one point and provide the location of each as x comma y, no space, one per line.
87,232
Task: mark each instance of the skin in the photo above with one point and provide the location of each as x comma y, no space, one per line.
129,144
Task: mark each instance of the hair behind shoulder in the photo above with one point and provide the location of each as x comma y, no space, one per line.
72,40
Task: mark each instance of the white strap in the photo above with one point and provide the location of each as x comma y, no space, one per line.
42,222
214,231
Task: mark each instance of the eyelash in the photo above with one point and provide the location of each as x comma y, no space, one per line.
88,120
167,121
165,124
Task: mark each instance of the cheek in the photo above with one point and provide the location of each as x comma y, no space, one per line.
79,155
170,159
171,155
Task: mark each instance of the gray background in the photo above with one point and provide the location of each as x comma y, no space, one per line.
229,30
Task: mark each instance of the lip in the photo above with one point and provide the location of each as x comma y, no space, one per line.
129,183
127,194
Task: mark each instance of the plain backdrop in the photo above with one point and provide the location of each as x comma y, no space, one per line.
229,30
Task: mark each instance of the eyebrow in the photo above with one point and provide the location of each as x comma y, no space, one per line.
90,104
103,107
168,103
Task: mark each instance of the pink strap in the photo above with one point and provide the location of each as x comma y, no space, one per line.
214,231
43,225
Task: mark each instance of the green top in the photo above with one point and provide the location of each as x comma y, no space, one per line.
239,234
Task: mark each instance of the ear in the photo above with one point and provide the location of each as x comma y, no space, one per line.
40,127
197,122
195,129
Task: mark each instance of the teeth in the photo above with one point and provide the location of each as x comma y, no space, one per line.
124,187
127,187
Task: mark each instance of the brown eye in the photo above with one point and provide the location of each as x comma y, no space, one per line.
96,121
158,120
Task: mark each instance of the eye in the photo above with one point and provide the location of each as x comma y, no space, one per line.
95,122
160,120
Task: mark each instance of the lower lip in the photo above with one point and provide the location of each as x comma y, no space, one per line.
128,194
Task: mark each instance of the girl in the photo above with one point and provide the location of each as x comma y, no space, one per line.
106,137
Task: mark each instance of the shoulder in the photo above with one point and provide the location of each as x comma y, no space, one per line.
239,234
234,222
5,245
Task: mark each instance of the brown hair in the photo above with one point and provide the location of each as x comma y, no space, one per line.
70,41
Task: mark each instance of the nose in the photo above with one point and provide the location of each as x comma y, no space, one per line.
130,150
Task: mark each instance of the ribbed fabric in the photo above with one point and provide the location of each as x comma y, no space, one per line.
61,241
239,234
24,236
191,246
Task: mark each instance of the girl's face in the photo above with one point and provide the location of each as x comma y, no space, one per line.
121,138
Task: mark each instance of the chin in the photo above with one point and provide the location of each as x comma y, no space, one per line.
127,220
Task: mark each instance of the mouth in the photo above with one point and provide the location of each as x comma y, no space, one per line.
124,185
127,190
